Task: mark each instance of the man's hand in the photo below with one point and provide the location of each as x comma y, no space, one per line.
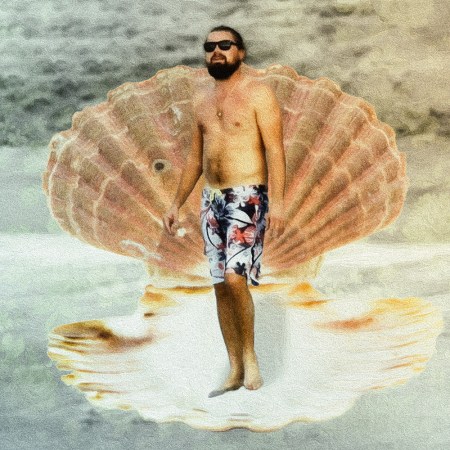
275,223
171,220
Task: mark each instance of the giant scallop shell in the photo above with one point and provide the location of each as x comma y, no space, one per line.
113,175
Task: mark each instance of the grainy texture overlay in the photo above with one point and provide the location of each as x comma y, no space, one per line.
59,56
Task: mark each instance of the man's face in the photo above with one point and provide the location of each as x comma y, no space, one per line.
222,64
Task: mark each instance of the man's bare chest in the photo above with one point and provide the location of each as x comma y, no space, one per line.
226,118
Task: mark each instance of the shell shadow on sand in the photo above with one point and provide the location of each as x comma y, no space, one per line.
317,356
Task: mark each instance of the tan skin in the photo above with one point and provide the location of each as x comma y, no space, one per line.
237,141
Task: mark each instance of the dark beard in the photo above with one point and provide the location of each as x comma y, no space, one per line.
222,71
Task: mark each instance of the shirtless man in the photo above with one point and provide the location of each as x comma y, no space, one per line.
237,145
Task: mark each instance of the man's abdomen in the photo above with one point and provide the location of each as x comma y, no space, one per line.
234,166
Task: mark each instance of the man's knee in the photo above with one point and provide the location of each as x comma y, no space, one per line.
221,289
235,281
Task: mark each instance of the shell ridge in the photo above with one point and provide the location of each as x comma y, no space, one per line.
327,210
296,205
156,223
324,240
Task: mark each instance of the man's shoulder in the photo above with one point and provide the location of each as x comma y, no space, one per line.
258,87
260,93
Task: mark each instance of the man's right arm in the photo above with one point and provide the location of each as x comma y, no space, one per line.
191,173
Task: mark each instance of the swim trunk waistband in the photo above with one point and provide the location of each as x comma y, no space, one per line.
216,191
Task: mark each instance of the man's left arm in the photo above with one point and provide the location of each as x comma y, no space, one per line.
268,116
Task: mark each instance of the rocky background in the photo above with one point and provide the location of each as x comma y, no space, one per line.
59,56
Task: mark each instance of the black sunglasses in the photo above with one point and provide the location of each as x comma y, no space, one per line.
223,45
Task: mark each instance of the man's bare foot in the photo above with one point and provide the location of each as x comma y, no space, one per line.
252,379
232,383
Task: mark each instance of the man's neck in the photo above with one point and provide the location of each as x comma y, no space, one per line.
229,82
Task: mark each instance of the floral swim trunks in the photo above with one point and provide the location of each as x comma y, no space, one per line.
233,224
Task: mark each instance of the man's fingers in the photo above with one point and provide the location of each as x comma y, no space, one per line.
174,226
275,232
169,222
166,223
276,228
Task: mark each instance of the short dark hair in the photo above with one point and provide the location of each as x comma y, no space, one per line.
236,35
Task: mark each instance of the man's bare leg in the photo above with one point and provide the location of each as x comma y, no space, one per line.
231,335
244,312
